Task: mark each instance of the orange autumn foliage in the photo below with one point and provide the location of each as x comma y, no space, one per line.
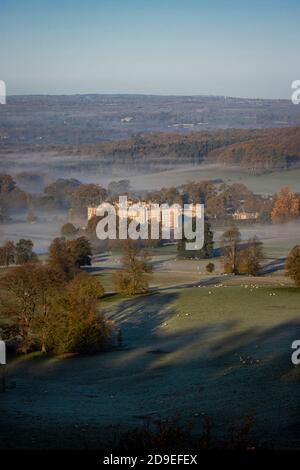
286,206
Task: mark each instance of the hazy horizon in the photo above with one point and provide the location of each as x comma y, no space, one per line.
166,95
195,48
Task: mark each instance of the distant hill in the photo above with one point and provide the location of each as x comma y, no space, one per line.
270,149
266,149
87,119
258,150
141,133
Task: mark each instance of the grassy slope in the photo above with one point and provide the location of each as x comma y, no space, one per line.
189,351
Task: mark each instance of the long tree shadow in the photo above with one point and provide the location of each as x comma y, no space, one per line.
209,281
221,369
138,317
273,266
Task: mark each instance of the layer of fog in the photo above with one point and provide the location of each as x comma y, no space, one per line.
267,232
41,232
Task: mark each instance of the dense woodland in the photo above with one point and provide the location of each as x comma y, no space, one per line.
257,150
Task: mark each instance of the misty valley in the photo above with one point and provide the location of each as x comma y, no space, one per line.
120,327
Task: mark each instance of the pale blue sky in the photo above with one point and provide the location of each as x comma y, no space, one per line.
236,48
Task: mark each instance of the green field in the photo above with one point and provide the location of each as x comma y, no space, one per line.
197,346
260,184
222,352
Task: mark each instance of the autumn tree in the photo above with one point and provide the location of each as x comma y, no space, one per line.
286,206
215,207
75,324
199,192
59,259
118,187
68,230
7,184
19,301
61,316
7,253
292,265
11,196
210,267
48,286
235,195
62,190
166,196
251,257
91,227
87,195
24,252
80,252
65,257
230,241
133,277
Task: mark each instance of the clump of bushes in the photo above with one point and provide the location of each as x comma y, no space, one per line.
210,267
163,436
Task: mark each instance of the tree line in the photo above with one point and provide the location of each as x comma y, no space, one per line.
258,149
221,200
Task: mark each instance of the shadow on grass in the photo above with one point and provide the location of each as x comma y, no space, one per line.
221,369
